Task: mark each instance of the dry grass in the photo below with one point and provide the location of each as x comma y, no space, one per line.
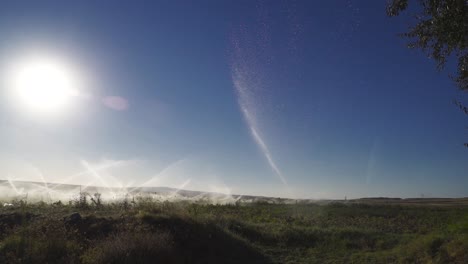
133,247
163,232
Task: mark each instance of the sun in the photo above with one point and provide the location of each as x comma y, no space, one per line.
43,85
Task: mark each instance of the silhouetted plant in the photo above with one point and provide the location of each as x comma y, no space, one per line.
125,203
96,199
81,201
441,31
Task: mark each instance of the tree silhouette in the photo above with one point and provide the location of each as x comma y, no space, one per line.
441,31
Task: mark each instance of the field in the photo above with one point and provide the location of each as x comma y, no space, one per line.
149,231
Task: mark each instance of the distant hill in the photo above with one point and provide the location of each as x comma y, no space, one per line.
413,201
56,191
41,189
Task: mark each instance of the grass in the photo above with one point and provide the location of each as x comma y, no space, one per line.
147,231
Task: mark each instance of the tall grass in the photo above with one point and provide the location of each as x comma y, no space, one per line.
143,230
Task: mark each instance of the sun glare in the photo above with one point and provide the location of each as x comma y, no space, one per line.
43,85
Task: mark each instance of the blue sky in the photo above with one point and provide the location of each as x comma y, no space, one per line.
280,98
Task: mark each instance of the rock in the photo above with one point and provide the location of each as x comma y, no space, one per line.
73,218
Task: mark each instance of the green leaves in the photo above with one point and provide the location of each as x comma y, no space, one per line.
396,7
441,30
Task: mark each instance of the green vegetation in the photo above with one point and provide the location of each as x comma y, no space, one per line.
441,32
146,231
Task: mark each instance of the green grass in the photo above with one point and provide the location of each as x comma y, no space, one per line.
180,232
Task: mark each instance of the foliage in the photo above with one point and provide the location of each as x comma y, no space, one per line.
442,29
150,231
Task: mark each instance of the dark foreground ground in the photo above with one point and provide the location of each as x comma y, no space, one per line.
176,232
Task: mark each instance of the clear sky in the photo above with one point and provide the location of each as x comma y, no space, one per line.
284,98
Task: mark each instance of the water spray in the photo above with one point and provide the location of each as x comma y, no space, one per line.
245,98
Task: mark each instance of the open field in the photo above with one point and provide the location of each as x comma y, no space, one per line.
149,231
450,202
